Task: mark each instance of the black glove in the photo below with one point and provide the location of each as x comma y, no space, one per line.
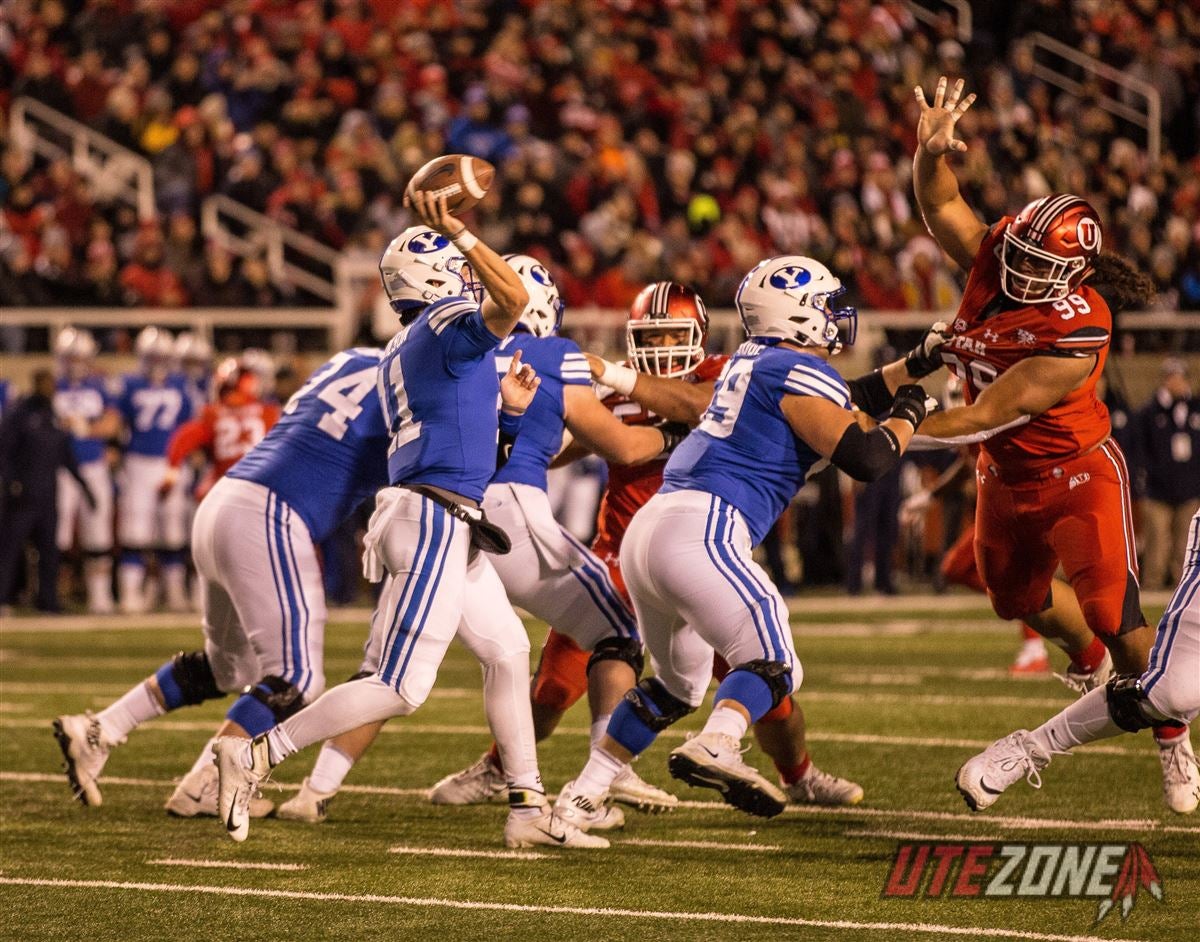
926,357
909,404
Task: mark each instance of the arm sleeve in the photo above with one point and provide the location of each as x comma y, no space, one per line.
460,329
870,393
189,437
866,456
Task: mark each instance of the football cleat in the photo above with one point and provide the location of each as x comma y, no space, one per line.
984,778
477,784
1083,681
308,805
533,822
84,752
242,764
631,789
587,812
821,788
714,760
196,797
1180,776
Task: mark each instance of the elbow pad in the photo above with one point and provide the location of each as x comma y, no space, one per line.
870,393
866,456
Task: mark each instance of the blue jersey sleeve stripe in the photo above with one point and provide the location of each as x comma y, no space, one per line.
802,373
448,311
811,389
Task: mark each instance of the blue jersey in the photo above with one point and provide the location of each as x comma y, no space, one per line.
84,400
4,395
441,394
558,363
744,451
328,451
152,412
198,391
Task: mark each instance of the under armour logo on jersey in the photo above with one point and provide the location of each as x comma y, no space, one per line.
425,242
990,335
790,277
540,275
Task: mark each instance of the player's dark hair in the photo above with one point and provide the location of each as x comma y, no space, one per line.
1120,283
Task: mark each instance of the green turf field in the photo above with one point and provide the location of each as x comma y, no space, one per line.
895,699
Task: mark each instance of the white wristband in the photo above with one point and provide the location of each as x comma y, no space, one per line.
465,240
620,379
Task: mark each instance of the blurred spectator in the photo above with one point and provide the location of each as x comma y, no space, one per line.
1168,440
146,281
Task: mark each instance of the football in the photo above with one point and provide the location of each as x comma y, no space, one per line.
464,180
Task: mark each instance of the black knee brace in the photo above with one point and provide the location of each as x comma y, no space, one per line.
655,706
776,674
280,697
1127,703
628,650
193,674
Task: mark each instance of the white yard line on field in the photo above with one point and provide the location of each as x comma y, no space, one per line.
1020,823
921,836
698,845
462,852
439,729
893,928
233,864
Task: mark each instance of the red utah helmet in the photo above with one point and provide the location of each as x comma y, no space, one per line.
237,382
666,307
1049,248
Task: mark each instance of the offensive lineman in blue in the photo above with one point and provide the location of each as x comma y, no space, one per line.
778,409
439,389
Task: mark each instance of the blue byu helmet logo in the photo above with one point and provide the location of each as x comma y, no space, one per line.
540,275
790,277
425,242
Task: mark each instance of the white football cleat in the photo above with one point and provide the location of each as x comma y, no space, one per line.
714,760
196,797
1081,682
547,828
307,805
1181,778
85,751
631,789
984,778
242,764
587,812
477,784
821,788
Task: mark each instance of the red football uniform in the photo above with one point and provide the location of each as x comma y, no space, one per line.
1055,489
225,433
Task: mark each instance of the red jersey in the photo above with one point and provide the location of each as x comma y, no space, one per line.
630,486
989,338
225,433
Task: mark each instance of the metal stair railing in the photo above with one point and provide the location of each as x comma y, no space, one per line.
963,23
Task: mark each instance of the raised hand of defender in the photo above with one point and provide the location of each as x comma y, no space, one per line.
432,211
935,130
518,386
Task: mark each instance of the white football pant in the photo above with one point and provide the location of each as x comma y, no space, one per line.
1172,679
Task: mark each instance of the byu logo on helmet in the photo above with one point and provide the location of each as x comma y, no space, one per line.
428,241
540,275
790,277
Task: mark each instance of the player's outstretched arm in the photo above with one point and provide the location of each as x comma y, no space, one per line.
672,399
604,434
947,215
506,296
1025,391
864,449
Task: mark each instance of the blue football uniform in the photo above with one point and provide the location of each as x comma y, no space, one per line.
559,363
744,451
199,391
328,451
5,394
440,393
86,399
152,412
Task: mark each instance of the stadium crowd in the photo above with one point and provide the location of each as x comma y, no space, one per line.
634,140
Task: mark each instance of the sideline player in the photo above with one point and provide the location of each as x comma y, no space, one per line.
194,359
439,388
779,408
83,404
546,571
1030,343
1169,689
153,403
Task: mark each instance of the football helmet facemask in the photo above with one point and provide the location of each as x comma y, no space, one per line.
1048,248
666,307
789,297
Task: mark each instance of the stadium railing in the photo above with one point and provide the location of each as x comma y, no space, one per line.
963,23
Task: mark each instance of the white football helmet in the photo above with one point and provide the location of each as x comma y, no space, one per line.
192,349
788,298
421,266
262,364
75,349
154,348
543,314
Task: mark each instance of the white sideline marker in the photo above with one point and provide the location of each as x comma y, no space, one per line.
921,928
464,852
233,864
698,845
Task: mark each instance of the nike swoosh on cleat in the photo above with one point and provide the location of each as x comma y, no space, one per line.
988,788
557,838
709,751
229,825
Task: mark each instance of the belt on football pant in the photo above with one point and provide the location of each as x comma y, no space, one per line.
485,535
